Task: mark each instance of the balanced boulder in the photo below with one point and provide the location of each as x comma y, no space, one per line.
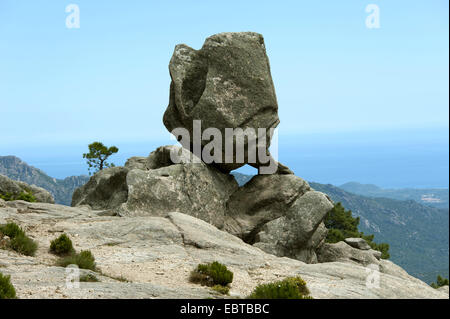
225,84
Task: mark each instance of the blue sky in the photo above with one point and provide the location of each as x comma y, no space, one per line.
109,79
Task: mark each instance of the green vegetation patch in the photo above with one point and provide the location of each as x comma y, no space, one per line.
440,282
212,274
341,224
26,196
7,290
20,242
224,290
62,245
84,260
89,278
289,288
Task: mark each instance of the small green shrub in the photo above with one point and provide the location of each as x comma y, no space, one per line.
84,260
11,230
224,290
24,245
62,245
212,274
7,290
89,278
6,196
19,241
289,288
26,196
440,282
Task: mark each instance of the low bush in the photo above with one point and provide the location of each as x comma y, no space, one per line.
24,245
289,288
11,230
7,290
26,196
440,282
212,274
20,242
84,260
62,245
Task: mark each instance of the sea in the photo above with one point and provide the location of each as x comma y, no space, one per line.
387,158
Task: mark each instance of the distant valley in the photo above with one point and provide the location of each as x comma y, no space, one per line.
61,189
436,197
418,234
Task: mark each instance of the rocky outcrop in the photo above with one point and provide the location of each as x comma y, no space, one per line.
342,251
15,188
280,214
157,254
155,186
105,190
359,243
225,84
194,189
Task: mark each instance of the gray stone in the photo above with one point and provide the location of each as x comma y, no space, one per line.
343,252
444,289
169,155
155,186
196,189
225,84
105,190
263,199
279,214
136,162
157,254
376,253
297,233
7,185
358,243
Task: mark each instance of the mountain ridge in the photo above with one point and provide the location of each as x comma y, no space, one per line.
435,197
61,189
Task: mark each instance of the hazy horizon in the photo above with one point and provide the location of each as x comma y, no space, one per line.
392,159
355,103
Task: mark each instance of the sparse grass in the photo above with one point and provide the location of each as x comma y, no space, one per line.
118,278
112,244
289,288
7,290
89,278
84,260
224,290
20,242
62,245
211,274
